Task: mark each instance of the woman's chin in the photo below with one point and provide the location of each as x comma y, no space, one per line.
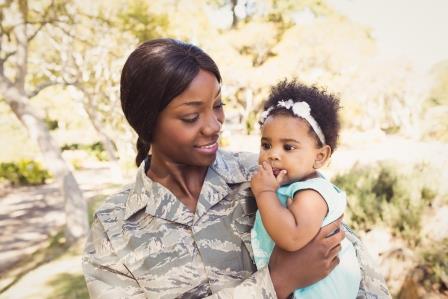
204,158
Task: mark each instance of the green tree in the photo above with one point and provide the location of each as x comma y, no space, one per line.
20,23
436,104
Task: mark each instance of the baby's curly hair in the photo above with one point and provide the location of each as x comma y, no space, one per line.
324,107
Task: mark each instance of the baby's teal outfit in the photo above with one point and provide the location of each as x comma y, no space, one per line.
343,281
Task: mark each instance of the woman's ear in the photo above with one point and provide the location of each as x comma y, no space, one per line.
323,154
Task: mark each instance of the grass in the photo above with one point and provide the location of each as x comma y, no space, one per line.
93,204
68,286
55,249
63,285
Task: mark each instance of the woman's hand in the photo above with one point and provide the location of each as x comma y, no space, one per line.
294,270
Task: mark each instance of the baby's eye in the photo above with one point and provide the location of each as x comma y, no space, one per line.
289,147
265,145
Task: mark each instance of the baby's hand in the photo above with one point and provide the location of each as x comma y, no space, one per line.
264,179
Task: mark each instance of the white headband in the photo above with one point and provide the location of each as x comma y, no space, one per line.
299,109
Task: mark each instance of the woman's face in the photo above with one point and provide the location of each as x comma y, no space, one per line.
187,130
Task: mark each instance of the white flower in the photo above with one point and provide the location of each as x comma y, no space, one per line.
287,104
301,109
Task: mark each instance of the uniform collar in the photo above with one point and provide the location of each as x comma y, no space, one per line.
160,202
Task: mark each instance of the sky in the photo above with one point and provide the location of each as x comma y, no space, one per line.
415,29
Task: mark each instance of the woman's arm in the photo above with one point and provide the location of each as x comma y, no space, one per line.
105,276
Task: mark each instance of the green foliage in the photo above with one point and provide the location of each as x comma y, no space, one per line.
281,8
251,122
439,91
436,105
385,193
433,259
52,124
64,285
137,20
69,286
95,149
24,172
93,205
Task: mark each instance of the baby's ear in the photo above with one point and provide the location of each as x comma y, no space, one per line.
323,154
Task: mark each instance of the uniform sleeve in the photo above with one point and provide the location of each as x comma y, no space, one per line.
105,276
372,282
258,285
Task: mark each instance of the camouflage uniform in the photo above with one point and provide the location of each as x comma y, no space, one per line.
145,243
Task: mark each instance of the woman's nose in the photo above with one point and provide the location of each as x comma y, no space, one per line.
212,126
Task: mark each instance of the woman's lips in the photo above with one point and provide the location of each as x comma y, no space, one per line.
208,149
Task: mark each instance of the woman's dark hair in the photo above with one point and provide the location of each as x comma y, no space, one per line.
324,107
154,73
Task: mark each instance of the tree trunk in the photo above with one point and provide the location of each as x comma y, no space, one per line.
108,144
105,140
75,206
234,3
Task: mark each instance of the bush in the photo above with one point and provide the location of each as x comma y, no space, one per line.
433,260
95,149
385,193
52,124
24,172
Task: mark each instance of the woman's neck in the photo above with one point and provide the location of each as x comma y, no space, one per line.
184,181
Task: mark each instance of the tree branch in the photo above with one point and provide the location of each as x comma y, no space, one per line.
7,55
42,23
2,61
33,35
70,34
41,87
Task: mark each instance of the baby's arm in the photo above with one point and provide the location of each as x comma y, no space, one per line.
293,227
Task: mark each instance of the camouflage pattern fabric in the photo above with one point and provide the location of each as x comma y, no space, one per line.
144,243
373,285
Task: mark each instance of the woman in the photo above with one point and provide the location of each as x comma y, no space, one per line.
183,229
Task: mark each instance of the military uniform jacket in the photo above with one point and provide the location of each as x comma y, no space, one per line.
144,243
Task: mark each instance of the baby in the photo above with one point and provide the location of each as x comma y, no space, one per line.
299,130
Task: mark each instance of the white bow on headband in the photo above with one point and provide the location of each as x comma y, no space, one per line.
299,109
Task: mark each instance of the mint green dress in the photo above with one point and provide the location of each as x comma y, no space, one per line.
343,282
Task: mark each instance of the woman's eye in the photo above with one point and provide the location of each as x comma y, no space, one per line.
219,105
191,119
288,147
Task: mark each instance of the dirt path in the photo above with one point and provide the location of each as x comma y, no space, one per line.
30,215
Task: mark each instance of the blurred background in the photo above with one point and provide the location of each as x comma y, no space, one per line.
65,145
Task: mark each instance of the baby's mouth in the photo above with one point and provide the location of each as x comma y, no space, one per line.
276,171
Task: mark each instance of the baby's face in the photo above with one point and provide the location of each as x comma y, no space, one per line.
287,143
